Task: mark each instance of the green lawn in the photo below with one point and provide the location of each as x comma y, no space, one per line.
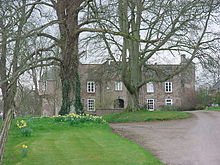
54,143
141,116
212,109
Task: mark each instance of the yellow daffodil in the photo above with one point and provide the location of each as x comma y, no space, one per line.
24,146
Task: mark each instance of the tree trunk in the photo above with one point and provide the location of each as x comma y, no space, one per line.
78,104
133,101
67,12
131,69
8,101
9,89
4,133
3,71
66,100
37,111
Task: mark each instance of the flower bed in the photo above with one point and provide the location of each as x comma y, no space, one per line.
77,119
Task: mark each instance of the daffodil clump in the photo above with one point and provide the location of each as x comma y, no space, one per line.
77,119
24,150
24,146
21,124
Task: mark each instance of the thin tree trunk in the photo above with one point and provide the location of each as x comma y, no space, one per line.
36,93
3,72
4,133
9,89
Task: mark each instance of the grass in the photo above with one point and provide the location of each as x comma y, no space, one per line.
212,109
142,116
54,143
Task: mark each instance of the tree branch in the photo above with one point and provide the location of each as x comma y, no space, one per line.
115,33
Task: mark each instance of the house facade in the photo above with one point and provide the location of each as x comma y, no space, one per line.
102,90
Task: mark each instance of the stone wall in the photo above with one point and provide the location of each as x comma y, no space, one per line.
105,93
101,112
159,95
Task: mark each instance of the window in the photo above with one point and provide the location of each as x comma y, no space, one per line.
91,87
168,101
150,104
91,104
118,85
150,87
168,87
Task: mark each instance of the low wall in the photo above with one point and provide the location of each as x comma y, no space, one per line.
100,112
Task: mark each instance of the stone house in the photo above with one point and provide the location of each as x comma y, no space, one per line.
102,91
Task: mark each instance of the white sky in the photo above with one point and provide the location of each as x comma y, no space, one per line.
99,56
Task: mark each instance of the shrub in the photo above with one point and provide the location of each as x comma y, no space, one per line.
144,107
59,118
217,98
170,108
75,122
200,107
26,131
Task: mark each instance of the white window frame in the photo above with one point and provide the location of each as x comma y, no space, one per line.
152,109
150,87
90,86
168,101
90,105
118,86
168,87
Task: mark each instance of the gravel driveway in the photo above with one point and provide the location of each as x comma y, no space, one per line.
194,141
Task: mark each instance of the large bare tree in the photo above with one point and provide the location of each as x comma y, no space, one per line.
18,53
68,16
151,29
11,23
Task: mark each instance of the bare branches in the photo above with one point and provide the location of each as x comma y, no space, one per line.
38,2
87,22
36,52
86,3
116,33
49,36
34,32
21,71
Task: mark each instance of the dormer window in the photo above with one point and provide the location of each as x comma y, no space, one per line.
168,87
118,85
150,87
91,87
